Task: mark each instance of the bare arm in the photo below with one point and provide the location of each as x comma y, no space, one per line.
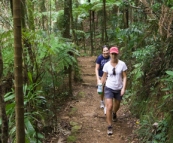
124,83
97,72
103,79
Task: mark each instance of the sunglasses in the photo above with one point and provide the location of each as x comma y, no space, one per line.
114,73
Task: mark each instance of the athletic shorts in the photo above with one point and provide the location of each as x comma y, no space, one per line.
110,93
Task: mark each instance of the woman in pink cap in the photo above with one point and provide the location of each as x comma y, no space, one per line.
115,79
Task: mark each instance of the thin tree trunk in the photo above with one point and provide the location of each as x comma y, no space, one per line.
91,31
11,6
3,115
105,37
30,4
27,43
50,20
44,18
72,24
18,79
84,39
31,27
23,13
66,34
76,70
126,17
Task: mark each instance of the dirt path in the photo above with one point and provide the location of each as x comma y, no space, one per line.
84,122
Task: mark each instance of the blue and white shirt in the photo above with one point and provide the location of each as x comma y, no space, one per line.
101,61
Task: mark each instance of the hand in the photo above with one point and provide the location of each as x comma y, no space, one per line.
98,81
122,91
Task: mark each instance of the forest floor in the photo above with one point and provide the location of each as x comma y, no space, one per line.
83,121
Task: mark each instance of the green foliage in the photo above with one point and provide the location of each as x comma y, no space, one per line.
137,72
161,132
73,111
156,7
132,35
145,131
6,41
31,134
169,3
98,6
140,98
71,139
81,11
148,132
51,57
168,88
127,97
168,82
60,19
33,103
144,54
80,34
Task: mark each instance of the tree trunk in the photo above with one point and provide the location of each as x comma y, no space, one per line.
102,28
3,115
91,31
105,37
72,24
18,79
26,42
126,17
44,18
30,4
66,34
76,70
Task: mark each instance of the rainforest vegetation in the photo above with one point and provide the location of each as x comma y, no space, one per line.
40,42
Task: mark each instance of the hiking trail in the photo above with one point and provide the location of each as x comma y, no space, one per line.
84,121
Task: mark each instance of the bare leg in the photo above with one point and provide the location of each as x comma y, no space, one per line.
102,103
102,96
109,106
116,105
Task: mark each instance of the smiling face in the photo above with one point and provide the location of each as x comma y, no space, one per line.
105,52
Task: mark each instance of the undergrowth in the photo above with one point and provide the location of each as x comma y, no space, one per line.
150,94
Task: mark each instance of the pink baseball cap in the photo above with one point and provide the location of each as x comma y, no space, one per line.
114,50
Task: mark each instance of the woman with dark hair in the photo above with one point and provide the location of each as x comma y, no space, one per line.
100,61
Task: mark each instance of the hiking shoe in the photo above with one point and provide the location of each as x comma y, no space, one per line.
114,117
102,105
105,110
109,131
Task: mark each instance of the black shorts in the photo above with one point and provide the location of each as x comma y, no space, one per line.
110,93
